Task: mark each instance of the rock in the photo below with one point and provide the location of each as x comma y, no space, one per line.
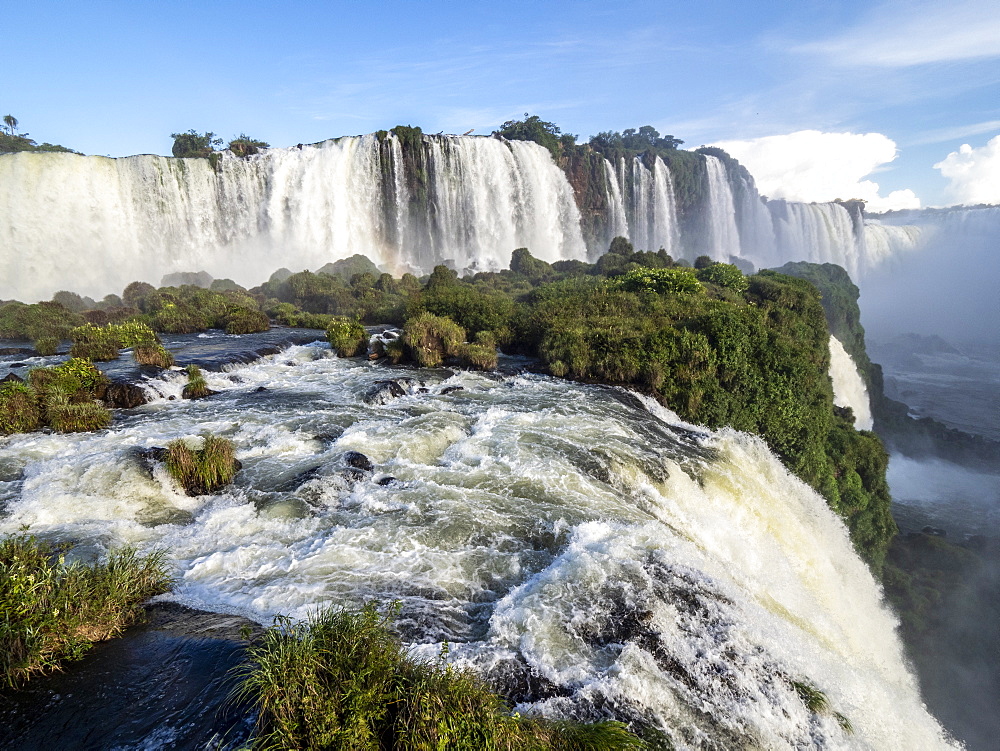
384,392
12,377
148,457
387,480
935,531
351,474
124,395
260,389
359,461
452,389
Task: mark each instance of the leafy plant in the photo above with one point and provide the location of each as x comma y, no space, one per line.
205,470
348,338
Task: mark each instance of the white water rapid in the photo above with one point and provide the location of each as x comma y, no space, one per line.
581,545
849,388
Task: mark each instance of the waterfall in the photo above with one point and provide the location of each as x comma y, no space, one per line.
665,231
724,234
816,232
849,388
93,224
577,544
617,223
756,227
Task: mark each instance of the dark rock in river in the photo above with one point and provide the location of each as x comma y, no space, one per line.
384,392
387,480
11,377
359,461
124,395
452,389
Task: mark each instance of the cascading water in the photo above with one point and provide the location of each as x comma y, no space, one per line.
849,388
579,544
92,224
617,222
816,232
725,236
653,222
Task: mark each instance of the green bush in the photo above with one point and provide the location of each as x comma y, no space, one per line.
347,338
205,470
430,338
19,409
70,414
32,322
661,281
46,346
724,275
244,321
344,682
52,611
96,351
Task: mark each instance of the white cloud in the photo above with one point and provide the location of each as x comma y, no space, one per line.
899,35
810,165
974,173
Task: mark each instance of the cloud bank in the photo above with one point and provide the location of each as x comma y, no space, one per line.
974,174
810,165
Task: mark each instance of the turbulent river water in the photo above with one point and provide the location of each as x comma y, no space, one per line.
580,545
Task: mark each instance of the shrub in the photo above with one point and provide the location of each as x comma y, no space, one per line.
97,351
724,275
348,338
673,280
342,681
430,338
245,321
46,346
19,410
152,354
72,376
205,470
196,386
52,611
33,322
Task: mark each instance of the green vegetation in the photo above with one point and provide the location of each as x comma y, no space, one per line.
343,681
46,346
205,470
20,411
193,144
154,354
244,146
196,386
430,338
817,703
52,611
64,397
101,343
347,338
29,323
533,128
246,321
12,141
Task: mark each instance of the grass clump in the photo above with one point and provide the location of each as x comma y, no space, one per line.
51,611
102,343
69,394
348,338
19,408
196,387
67,413
817,703
152,354
205,470
344,681
245,321
430,338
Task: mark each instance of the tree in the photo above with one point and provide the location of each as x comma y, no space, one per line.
244,146
194,144
11,122
533,128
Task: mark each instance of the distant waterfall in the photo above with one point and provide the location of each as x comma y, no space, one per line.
849,388
816,232
725,235
93,224
653,223
617,222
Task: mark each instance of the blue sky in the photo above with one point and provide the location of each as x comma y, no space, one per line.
117,78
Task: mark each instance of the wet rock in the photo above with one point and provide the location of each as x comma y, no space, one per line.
387,480
359,461
329,436
149,457
260,389
452,389
11,377
934,531
124,395
384,392
351,475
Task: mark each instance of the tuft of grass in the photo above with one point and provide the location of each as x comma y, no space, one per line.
343,681
152,353
480,356
816,701
71,414
46,346
205,470
430,338
51,611
348,338
196,387
104,350
68,394
19,409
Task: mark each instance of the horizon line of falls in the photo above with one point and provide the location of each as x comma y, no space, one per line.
580,546
93,224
